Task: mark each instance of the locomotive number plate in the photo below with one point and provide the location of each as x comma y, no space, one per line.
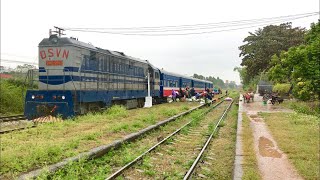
54,63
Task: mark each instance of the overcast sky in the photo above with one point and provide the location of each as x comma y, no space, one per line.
24,23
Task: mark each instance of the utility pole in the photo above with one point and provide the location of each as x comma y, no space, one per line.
59,31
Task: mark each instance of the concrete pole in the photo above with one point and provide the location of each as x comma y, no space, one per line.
148,99
148,84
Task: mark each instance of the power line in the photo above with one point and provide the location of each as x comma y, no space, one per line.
224,22
194,26
191,28
229,28
17,61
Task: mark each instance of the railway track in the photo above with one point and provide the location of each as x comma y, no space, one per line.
13,122
12,118
192,169
188,141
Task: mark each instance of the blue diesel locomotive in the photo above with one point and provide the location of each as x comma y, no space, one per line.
76,77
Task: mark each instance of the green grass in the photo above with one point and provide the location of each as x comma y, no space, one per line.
49,143
310,108
250,165
297,135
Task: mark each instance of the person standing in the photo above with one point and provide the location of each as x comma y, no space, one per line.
174,95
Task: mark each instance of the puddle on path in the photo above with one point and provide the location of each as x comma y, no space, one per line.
253,116
267,149
258,119
258,105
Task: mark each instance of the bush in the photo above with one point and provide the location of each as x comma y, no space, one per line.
12,96
281,88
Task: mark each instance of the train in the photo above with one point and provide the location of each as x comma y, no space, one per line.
76,77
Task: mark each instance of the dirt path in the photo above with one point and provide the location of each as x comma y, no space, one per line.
272,162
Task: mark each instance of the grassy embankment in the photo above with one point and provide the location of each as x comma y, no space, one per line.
250,164
12,96
297,135
50,143
310,108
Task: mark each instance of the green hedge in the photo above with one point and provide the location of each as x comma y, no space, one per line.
281,88
12,96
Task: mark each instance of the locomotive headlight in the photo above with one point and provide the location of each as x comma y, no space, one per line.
33,97
63,97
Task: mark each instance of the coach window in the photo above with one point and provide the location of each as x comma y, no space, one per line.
86,62
117,67
140,72
100,63
111,67
127,69
106,64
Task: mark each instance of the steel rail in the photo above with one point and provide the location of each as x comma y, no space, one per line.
12,118
130,164
17,129
194,165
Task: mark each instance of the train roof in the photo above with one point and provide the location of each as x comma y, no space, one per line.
205,81
63,41
184,76
175,74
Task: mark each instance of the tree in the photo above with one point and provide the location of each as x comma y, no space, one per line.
260,46
24,68
198,76
300,66
217,82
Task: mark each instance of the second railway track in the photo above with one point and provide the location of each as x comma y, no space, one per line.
175,153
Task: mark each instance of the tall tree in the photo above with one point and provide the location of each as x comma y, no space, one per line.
260,46
300,66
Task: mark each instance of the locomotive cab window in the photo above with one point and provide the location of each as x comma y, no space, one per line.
157,75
